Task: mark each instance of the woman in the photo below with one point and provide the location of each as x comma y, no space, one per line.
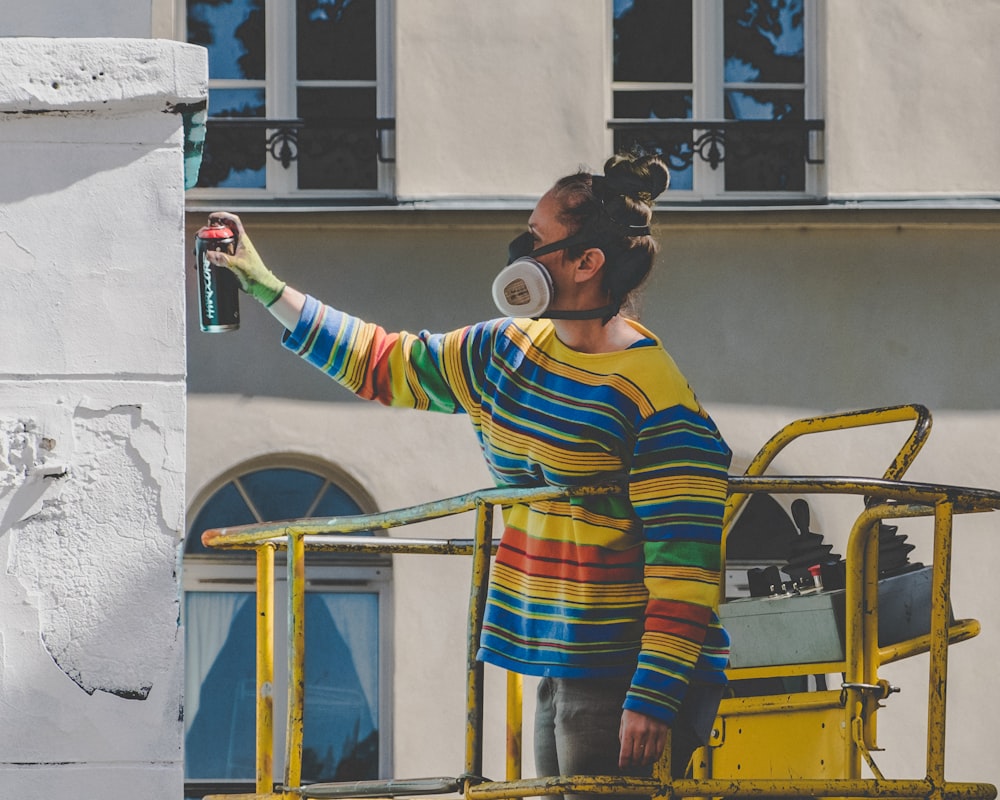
610,599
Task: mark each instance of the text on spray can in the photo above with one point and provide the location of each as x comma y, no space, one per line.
218,287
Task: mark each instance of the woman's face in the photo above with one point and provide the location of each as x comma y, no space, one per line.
546,228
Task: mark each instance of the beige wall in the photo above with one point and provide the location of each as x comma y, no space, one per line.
808,309
912,105
494,96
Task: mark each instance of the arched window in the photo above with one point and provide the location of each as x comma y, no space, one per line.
348,702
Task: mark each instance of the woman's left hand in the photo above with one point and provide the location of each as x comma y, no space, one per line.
642,739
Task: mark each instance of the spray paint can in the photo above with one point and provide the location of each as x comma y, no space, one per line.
218,287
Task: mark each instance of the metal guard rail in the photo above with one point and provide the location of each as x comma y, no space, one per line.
885,499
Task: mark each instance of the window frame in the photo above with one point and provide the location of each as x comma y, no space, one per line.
280,86
327,573
708,89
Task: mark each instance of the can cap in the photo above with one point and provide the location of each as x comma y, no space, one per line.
216,232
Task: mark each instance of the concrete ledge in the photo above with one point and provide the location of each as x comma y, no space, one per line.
110,75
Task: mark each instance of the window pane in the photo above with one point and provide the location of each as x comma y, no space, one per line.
336,39
652,105
765,160
764,41
652,40
676,145
220,675
235,155
340,738
225,508
338,148
282,493
336,502
233,33
786,105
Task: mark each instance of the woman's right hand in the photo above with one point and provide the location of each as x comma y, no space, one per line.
255,278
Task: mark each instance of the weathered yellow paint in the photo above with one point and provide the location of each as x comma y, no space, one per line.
839,422
940,607
515,704
265,669
296,658
477,606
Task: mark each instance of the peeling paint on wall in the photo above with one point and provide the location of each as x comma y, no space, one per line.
91,546
26,476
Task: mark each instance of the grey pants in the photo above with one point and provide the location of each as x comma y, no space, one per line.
577,722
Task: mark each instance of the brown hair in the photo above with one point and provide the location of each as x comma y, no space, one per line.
616,208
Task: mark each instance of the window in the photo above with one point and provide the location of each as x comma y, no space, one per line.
726,89
348,707
299,99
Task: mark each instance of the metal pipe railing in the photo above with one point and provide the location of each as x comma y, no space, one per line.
888,499
847,420
265,668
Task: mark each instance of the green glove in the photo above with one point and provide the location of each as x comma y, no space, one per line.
255,278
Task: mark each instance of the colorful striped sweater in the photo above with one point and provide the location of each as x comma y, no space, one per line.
590,587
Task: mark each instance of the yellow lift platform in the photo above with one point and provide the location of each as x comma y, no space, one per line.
800,744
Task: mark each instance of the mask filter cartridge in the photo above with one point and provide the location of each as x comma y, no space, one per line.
522,289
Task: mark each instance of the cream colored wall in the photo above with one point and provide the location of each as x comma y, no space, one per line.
493,97
912,104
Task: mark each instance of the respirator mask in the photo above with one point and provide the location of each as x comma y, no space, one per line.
524,287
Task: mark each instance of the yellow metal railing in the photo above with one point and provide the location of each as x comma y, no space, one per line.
854,706
847,420
336,535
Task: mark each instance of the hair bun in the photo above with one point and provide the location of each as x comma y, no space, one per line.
641,178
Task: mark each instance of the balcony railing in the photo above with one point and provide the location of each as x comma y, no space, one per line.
681,141
282,140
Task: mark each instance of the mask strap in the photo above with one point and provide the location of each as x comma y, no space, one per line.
562,244
604,312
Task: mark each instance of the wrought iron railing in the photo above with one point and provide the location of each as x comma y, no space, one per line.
681,141
282,138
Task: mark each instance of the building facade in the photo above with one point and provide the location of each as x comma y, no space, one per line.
829,242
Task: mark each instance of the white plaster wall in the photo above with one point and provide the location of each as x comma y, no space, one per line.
92,414
494,97
911,104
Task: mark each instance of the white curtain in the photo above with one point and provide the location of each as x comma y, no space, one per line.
356,617
207,620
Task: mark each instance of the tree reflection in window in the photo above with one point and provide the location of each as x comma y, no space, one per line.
653,44
764,41
760,75
765,45
328,81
